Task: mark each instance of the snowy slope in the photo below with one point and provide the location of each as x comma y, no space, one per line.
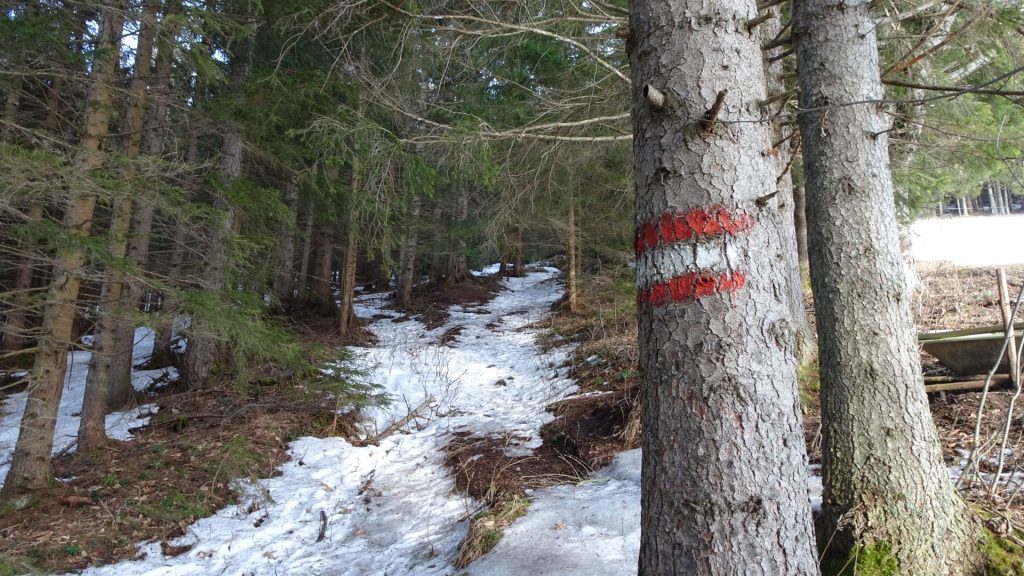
389,509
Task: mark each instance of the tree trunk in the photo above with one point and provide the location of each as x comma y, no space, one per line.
13,100
458,269
31,466
724,466
18,312
302,280
800,223
782,154
138,249
347,280
887,492
98,385
382,273
144,211
325,268
571,291
407,260
437,262
284,283
204,348
517,265
108,383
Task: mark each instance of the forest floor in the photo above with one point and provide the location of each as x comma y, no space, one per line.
511,440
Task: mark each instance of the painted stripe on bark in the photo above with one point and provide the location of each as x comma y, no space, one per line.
666,262
694,224
684,255
692,285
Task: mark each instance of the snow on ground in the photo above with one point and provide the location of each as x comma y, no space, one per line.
390,509
970,240
119,424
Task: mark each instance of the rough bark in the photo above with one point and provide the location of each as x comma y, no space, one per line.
31,466
407,259
886,488
112,348
723,479
782,154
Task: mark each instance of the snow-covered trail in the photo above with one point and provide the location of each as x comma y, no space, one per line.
389,509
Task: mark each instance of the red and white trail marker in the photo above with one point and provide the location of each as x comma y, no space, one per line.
683,255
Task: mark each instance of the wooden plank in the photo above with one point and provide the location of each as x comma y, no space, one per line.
966,332
955,378
969,386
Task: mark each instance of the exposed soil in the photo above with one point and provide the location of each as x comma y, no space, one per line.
430,302
179,467
483,469
176,470
951,297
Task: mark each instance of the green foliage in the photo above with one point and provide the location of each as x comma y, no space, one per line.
239,318
17,566
487,527
875,559
336,376
71,549
177,508
1002,556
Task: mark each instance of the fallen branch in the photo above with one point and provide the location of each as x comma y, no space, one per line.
396,425
323,527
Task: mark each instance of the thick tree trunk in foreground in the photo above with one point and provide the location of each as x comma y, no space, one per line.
31,466
886,487
724,467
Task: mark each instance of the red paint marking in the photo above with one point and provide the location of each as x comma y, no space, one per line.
698,223
692,285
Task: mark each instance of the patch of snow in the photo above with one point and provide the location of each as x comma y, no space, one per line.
392,508
970,240
119,424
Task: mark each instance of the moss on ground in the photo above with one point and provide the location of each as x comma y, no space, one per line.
1002,556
